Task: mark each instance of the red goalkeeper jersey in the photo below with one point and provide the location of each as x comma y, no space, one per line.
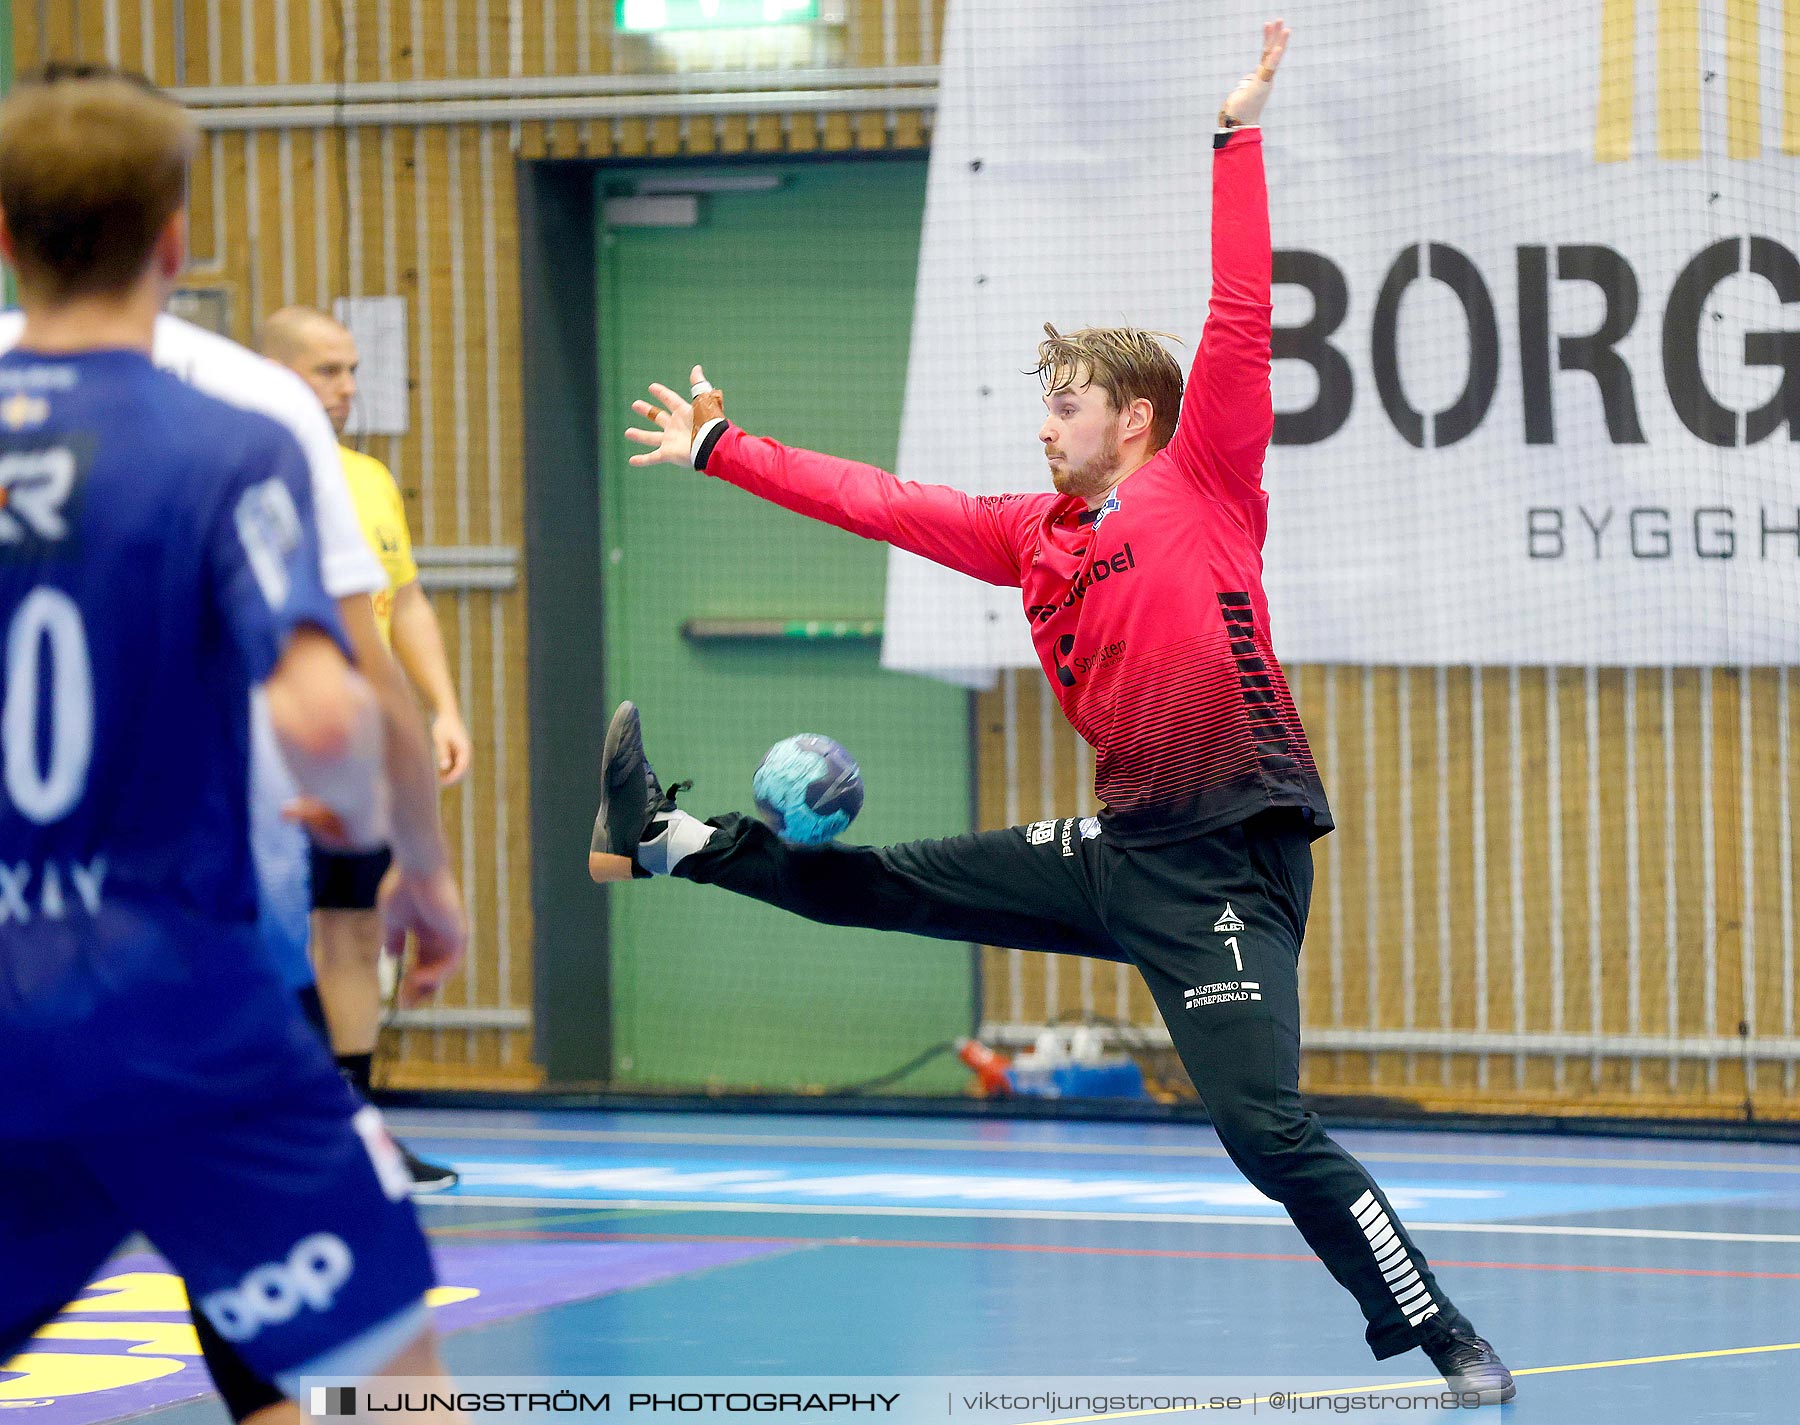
1148,614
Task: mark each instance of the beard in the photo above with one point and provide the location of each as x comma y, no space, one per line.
1086,481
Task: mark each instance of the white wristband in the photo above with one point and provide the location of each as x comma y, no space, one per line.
700,437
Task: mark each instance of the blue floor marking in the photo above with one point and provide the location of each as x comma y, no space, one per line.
609,1176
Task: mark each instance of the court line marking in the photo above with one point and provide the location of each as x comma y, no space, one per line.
519,1230
1436,1384
1038,1214
523,1224
425,1128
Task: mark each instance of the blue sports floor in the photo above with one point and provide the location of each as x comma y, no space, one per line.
1650,1280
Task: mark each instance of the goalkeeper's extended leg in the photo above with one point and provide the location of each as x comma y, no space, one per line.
994,887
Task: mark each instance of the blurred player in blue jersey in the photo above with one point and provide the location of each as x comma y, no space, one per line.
158,558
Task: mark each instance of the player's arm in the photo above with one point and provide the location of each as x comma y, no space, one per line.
980,536
1227,412
417,840
328,726
419,645
420,895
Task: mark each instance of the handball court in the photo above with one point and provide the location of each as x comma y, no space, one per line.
1649,1280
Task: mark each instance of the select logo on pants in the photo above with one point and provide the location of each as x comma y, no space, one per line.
334,1400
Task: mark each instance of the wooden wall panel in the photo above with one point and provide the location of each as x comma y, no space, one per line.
1606,854
204,218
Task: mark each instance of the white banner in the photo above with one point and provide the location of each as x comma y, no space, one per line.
1537,311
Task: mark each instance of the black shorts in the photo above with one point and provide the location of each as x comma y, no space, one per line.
347,880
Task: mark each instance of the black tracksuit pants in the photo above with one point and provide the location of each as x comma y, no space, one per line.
1214,924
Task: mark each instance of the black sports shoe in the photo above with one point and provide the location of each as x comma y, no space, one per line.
630,795
427,1177
1471,1365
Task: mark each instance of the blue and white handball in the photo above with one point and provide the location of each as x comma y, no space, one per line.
808,788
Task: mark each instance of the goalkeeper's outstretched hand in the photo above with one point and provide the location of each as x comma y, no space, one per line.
1244,105
672,441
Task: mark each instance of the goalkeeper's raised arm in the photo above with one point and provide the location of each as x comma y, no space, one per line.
1227,413
983,536
1244,105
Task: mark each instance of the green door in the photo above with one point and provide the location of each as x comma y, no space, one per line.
797,297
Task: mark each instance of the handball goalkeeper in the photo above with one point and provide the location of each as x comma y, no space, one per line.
1141,577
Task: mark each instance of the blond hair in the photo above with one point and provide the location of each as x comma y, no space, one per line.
1125,362
93,164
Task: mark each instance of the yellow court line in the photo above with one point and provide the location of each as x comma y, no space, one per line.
1436,1383
1657,1360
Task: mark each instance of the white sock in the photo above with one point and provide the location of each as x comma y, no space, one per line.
681,836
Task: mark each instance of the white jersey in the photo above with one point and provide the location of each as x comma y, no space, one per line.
239,377
347,566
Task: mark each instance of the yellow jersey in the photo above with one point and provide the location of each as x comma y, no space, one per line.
382,514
